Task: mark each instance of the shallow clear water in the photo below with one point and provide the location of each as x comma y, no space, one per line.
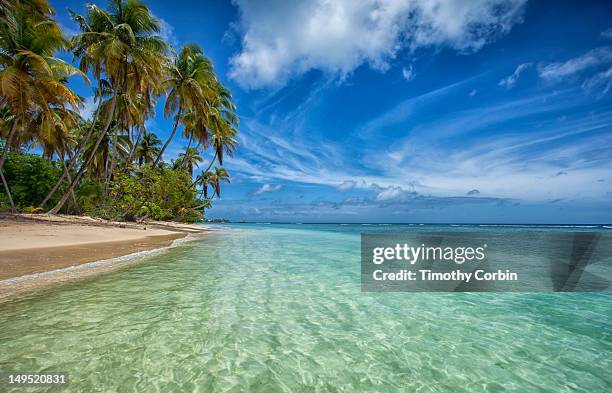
279,309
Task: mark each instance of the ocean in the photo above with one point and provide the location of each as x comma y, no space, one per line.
279,308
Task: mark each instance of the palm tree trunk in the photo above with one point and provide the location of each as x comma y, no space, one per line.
8,192
84,165
76,204
136,143
113,157
211,163
73,160
9,140
176,123
186,150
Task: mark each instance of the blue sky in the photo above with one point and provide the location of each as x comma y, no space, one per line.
407,111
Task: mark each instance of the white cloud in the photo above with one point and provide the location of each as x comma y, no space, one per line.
509,81
601,81
88,109
435,159
593,58
268,188
390,193
167,33
473,92
408,73
282,39
607,33
347,185
393,194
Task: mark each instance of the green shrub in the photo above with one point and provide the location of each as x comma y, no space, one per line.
30,178
152,193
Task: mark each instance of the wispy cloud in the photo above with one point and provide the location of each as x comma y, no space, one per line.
509,81
592,58
600,82
406,108
440,156
347,185
267,188
408,73
89,107
167,33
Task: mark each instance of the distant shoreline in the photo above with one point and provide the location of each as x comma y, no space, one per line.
605,225
39,250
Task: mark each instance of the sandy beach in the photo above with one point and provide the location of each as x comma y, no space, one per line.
35,244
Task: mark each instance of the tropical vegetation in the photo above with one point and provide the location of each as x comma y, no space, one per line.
57,159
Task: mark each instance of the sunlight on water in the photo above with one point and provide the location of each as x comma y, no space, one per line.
280,310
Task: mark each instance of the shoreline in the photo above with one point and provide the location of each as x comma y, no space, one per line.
40,251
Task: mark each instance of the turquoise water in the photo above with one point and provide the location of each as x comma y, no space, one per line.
278,308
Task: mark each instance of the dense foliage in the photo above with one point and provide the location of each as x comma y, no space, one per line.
109,166
156,193
31,177
150,193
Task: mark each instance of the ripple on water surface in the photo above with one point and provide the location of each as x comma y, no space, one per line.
281,310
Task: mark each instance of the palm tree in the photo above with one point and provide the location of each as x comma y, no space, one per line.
221,175
122,44
56,138
32,80
148,148
116,141
213,179
142,107
190,158
190,76
205,179
221,120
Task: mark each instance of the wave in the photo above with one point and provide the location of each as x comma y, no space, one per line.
539,226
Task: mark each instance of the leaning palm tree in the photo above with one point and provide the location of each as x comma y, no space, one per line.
116,142
205,179
148,148
221,175
190,76
122,44
55,136
213,179
190,158
32,80
221,121
142,107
